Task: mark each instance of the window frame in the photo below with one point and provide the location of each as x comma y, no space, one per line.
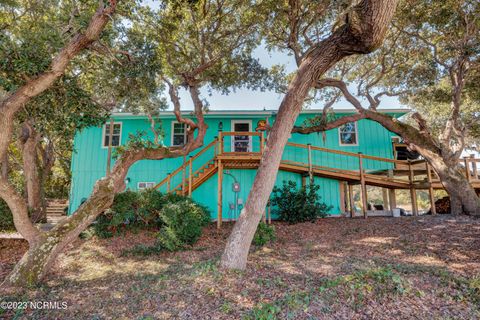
173,134
355,132
146,183
104,132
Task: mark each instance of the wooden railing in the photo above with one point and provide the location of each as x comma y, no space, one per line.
222,135
183,168
416,174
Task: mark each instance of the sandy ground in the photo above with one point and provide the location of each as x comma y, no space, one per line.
379,268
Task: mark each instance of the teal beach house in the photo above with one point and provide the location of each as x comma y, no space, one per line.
220,174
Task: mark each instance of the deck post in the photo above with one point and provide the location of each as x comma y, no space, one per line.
190,178
430,189
362,183
343,197
304,181
413,192
467,169
262,142
109,155
219,195
392,199
385,198
220,139
184,173
474,166
350,198
310,167
168,182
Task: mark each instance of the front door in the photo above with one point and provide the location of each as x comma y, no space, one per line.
241,143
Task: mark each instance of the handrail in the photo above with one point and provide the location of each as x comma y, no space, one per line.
183,166
241,133
219,153
345,153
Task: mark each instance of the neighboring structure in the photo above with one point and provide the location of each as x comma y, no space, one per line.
330,159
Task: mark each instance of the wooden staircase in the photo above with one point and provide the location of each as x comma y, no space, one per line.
198,177
56,211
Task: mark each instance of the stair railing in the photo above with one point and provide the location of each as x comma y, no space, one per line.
186,167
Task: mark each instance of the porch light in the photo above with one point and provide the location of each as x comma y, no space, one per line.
220,126
127,180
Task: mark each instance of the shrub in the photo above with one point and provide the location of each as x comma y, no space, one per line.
265,233
182,224
131,210
301,205
6,217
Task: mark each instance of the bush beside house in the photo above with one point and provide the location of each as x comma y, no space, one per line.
295,205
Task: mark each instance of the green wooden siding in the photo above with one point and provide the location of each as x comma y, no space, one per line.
89,158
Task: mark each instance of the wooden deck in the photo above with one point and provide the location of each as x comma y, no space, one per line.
393,174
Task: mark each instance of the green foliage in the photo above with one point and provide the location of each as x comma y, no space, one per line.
178,218
6,217
137,140
356,287
265,233
301,205
131,210
265,311
142,251
182,224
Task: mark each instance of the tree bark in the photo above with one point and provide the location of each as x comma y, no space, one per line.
4,165
29,141
363,32
42,252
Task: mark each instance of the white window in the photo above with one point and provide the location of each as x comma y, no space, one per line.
179,134
116,134
145,185
348,134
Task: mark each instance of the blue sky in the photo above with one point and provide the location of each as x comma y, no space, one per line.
245,99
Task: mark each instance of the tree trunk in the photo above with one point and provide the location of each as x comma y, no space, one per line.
463,198
442,160
42,253
4,166
372,18
29,141
45,247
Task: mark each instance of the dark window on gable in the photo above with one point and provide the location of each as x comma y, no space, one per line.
348,134
116,134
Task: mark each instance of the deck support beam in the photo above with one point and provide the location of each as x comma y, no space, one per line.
219,195
310,165
169,178
343,198
433,209
413,192
363,185
190,177
474,167
184,173
392,199
350,198
385,198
